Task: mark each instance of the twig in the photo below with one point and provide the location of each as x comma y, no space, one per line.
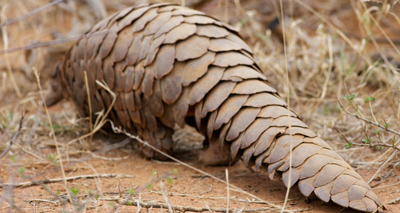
164,194
15,135
31,13
366,120
394,201
142,204
237,200
394,145
33,183
382,179
31,153
207,191
50,43
56,203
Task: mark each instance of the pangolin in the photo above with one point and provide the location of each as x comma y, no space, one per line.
170,65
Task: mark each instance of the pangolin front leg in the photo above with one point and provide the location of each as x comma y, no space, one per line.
167,63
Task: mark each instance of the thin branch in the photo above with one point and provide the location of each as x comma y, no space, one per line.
394,201
15,135
50,43
233,198
56,203
137,202
164,194
368,121
33,12
55,180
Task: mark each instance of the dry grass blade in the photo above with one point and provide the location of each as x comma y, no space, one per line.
54,138
7,60
227,190
288,107
90,106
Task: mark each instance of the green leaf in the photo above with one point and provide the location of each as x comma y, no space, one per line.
386,125
170,181
21,172
175,171
377,131
369,99
131,191
349,97
74,191
367,141
348,145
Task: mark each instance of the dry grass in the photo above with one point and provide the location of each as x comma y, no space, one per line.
332,51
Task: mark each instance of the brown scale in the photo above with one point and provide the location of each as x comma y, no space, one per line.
163,59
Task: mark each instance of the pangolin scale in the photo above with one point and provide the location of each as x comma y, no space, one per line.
170,65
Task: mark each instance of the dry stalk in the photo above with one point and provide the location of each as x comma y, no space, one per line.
102,117
164,194
54,136
90,107
338,31
227,190
368,12
288,107
7,60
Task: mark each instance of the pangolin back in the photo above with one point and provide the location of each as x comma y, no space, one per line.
168,64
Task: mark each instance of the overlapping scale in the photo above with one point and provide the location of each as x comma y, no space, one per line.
162,60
